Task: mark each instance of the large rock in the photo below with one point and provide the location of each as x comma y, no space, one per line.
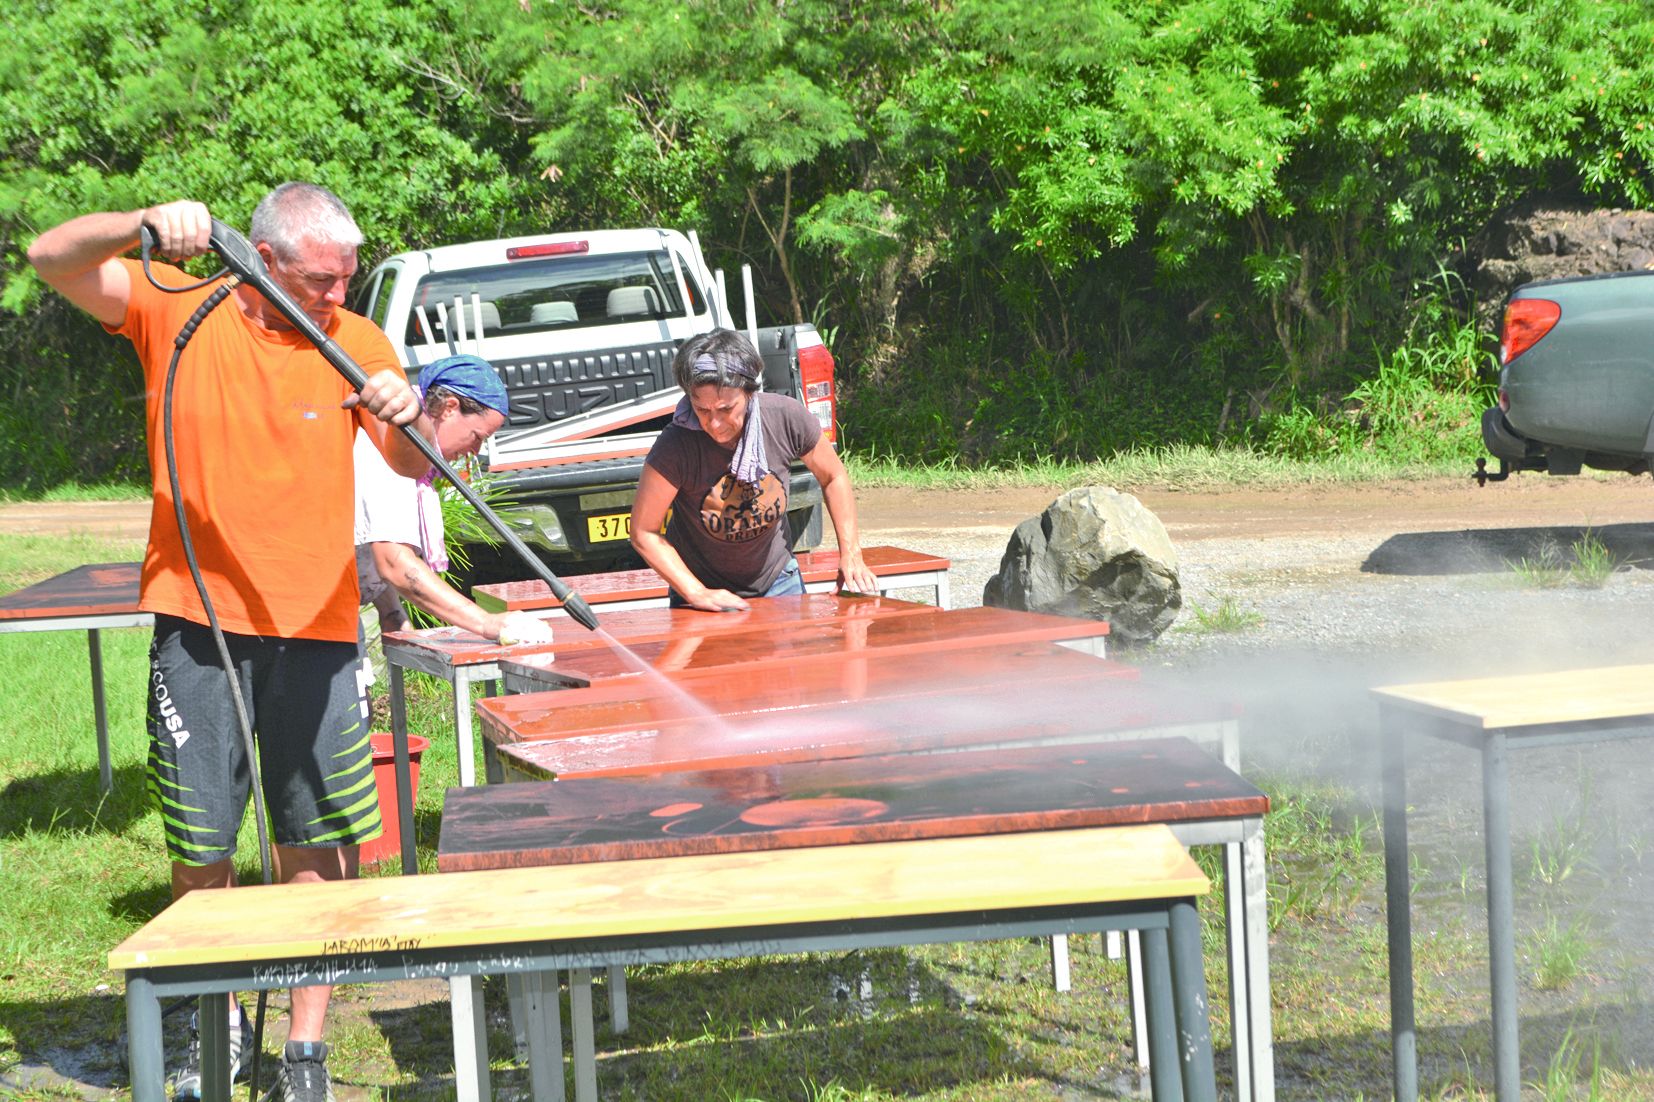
1097,553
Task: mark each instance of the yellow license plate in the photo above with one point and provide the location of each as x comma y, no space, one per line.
612,526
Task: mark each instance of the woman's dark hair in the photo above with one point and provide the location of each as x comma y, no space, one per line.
720,358
440,394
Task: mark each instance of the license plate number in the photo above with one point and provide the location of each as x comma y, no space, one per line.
612,526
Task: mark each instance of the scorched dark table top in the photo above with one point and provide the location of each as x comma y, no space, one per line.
97,589
822,803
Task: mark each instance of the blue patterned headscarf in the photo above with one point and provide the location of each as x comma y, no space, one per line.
472,376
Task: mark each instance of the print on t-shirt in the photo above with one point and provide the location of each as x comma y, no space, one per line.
736,512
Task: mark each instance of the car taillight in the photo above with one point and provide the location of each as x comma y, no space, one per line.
1526,321
815,366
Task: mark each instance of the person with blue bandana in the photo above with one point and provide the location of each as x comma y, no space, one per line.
400,553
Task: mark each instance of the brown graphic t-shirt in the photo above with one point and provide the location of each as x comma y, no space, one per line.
734,536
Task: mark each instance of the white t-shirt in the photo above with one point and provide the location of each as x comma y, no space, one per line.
392,509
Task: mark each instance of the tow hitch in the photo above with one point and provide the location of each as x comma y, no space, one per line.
1483,478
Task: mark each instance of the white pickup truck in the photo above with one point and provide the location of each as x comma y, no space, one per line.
582,327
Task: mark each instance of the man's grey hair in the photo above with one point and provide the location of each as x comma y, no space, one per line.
294,213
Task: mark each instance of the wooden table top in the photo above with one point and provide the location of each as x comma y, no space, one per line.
839,802
301,922
633,585
935,632
97,589
1031,713
648,703
803,612
1532,699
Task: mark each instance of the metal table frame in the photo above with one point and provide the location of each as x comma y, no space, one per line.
1179,1024
1396,720
94,647
1246,923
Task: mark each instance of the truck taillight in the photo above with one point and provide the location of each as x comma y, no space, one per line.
1526,321
815,366
552,248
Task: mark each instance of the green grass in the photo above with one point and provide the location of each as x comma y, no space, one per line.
1587,564
1179,467
1226,617
75,491
949,1023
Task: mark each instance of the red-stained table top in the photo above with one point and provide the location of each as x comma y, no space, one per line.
820,803
688,697
634,585
936,631
800,613
98,589
725,731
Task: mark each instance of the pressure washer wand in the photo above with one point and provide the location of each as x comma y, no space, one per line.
241,258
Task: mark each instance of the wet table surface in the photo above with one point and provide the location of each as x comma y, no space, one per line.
880,635
805,612
921,705
634,585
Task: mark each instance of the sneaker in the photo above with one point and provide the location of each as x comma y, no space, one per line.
303,1076
186,1081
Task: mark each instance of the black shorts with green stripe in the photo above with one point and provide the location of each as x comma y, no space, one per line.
308,714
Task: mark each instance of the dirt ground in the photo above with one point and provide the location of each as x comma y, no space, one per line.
1228,513
1447,505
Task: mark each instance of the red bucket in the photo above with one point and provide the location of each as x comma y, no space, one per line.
388,846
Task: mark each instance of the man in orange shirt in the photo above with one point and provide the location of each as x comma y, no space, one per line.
263,431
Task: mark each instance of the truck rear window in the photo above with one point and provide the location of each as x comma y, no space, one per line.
562,292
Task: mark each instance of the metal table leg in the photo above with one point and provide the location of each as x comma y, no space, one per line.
1255,892
212,1019
1165,1084
1194,1021
1139,1006
1398,912
404,778
585,1044
461,685
1060,978
100,715
1501,919
545,1035
143,1039
470,1039
1240,1005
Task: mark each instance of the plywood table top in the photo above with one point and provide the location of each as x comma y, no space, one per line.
97,589
839,802
937,633
301,922
1532,699
633,627
634,585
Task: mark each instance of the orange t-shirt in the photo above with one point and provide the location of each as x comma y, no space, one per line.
264,464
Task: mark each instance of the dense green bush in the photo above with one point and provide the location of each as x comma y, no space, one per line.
1033,228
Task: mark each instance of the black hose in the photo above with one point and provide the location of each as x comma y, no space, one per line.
242,259
208,305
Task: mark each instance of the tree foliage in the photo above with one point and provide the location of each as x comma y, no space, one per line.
1031,228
